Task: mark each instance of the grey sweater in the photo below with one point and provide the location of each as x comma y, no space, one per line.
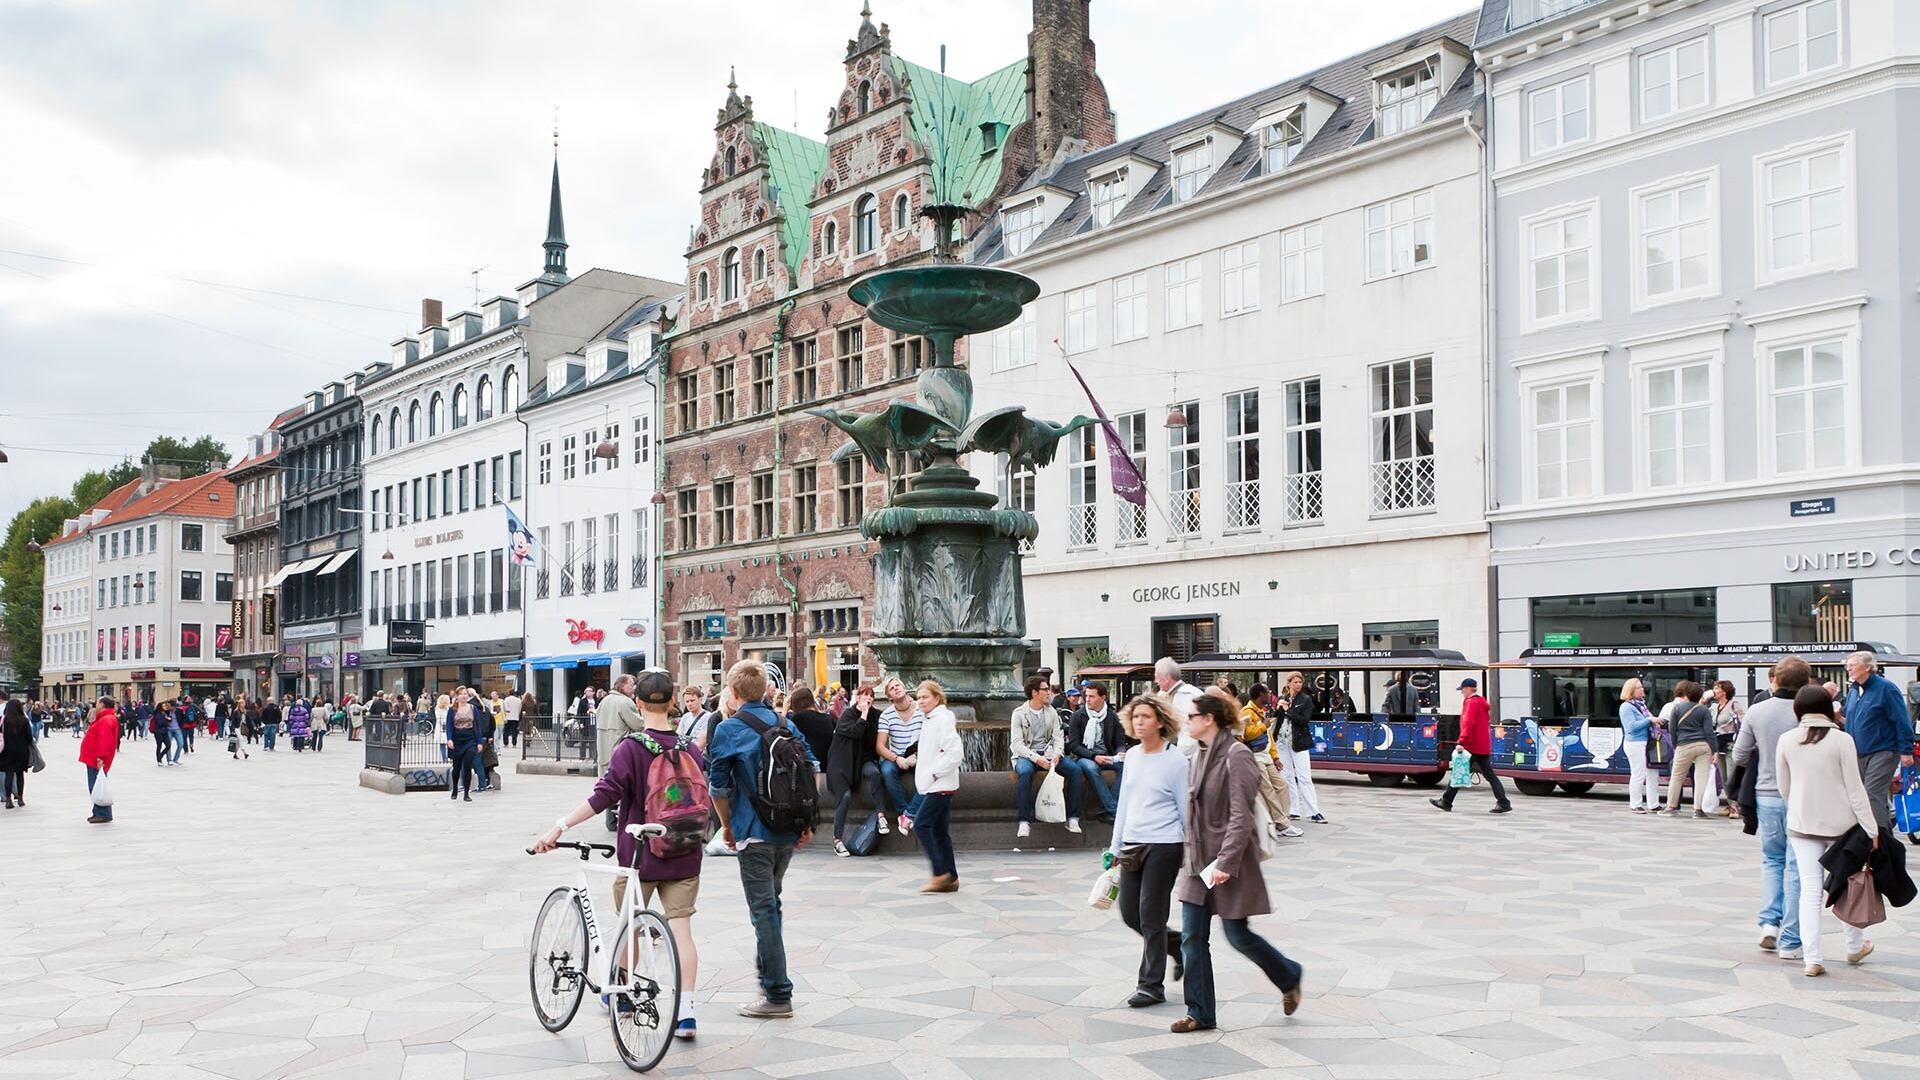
1760,737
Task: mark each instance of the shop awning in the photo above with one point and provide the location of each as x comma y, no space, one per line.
293,568
336,562
548,663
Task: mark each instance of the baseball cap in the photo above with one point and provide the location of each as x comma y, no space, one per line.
1465,683
654,687
1073,691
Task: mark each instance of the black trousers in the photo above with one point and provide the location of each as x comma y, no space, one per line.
1482,764
1146,896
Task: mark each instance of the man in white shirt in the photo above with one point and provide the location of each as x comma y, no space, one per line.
1166,676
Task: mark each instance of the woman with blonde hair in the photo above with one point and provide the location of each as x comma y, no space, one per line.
936,776
1636,728
1296,758
1149,834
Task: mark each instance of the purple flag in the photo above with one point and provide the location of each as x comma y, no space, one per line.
1127,481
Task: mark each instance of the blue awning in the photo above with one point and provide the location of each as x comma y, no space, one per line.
548,663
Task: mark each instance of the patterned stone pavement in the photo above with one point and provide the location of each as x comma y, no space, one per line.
270,918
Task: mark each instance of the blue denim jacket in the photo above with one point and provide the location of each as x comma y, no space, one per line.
734,760
1877,717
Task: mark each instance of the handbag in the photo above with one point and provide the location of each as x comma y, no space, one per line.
1267,839
1659,747
1906,802
866,837
1050,804
36,762
1132,857
1460,768
102,791
1106,889
1860,904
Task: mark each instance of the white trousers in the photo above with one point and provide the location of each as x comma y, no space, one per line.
1643,787
1298,765
1806,855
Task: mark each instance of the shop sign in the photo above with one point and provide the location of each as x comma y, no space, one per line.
76,676
238,620
262,675
352,660
406,637
311,630
291,663
319,661
1810,507
440,538
269,615
1820,562
1182,592
140,676
636,629
714,625
222,642
1560,641
205,676
189,639
578,632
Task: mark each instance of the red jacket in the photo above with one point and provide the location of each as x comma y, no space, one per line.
101,741
1476,730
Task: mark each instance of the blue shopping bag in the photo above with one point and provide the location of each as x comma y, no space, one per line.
1460,768
1906,802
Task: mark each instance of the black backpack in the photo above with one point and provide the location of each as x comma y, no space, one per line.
784,793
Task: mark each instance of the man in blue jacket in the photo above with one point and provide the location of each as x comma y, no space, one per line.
734,760
1882,731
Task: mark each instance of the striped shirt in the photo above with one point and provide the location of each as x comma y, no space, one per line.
901,734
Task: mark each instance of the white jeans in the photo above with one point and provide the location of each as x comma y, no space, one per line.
1298,765
1806,855
1644,781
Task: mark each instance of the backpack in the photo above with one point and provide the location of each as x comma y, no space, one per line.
676,798
784,793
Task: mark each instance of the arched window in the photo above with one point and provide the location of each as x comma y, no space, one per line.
730,275
866,223
863,98
373,440
436,414
759,264
393,429
413,422
459,407
733,161
509,391
700,286
830,238
902,212
483,399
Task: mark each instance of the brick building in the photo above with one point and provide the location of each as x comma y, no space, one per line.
764,554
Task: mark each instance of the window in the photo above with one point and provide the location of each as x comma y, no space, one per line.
191,537
1673,80
1022,227
700,287
569,453
1676,252
1082,323
908,357
687,393
1560,260
190,585
1802,41
1809,405
806,499
1402,430
463,489
902,212
759,264
850,482
542,578
1557,116
1130,518
763,401
806,376
1183,293
1679,427
516,473
436,414
113,545
1240,278
589,556
459,407
1017,491
496,489
373,438
642,543
723,391
1563,441
1129,307
732,161
866,224
1300,262
567,563
1407,98
413,422
1109,198
1241,426
1017,344
433,498
642,439
730,275
1083,489
1284,138
830,238
1400,235
461,577
762,505
1183,470
852,361
863,97
1815,611
723,512
483,402
1305,491
1807,197
223,588
1191,168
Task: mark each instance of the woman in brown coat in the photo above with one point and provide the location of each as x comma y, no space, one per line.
1222,872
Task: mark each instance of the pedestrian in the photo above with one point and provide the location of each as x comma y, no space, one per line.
510,709
97,749
1755,748
1149,834
463,739
1693,746
1222,875
847,759
1038,748
936,776
16,754
1818,770
815,725
1637,730
356,718
737,769
837,702
1296,758
161,726
187,716
1476,738
319,722
269,722
176,729
895,742
299,723
1168,678
1256,734
1882,731
237,721
1097,742
668,866
1727,717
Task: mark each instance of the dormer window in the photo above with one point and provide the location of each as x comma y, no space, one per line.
1407,96
1022,226
1109,198
1192,166
1284,138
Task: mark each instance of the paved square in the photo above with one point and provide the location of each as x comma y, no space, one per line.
270,918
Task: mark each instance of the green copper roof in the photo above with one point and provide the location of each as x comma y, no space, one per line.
946,116
794,162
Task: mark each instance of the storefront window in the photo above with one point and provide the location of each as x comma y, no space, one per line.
1417,634
1304,638
1183,639
1676,617
1815,611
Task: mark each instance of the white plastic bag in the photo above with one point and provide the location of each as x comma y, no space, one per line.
1050,803
102,791
1106,889
1264,829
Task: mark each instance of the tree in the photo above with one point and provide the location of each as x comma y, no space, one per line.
96,483
21,573
194,458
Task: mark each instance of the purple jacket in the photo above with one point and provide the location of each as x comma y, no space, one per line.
625,784
297,720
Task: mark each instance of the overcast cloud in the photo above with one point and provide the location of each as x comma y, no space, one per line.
376,153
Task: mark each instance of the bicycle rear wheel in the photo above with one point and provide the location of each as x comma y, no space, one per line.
557,959
646,991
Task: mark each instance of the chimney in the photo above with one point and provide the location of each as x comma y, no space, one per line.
431,313
1066,102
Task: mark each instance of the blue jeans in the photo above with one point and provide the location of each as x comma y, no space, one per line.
884,786
1779,874
762,867
1085,771
1196,923
178,740
931,826
98,810
1023,774
267,734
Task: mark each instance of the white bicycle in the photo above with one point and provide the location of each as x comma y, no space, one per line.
569,957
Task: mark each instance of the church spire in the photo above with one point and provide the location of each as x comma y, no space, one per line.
555,271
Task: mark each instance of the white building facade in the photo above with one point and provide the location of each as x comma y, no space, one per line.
1279,303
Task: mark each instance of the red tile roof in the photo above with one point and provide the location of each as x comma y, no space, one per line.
210,495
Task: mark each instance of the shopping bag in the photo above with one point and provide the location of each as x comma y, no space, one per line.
37,762
102,791
866,837
1050,804
1106,888
1906,803
1460,768
1860,904
1265,832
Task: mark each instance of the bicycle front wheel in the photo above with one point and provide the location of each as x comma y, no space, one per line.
557,959
646,991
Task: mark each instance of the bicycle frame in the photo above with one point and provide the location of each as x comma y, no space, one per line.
599,955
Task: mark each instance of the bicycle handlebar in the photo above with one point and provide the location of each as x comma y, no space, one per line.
586,850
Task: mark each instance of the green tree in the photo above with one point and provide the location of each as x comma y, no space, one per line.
194,458
20,577
94,484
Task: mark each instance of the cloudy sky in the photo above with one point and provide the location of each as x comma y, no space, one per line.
209,208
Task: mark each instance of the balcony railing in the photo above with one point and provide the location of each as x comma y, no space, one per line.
639,577
1305,504
1130,523
1184,509
566,581
1405,484
1243,505
1083,525
541,584
610,575
587,578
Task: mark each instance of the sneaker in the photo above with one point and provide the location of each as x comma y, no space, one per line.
1501,810
685,1029
1769,937
1858,958
1293,817
1293,830
765,1009
1792,953
1639,809
840,849
883,825
1073,824
1318,819
1025,830
906,825
1439,805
